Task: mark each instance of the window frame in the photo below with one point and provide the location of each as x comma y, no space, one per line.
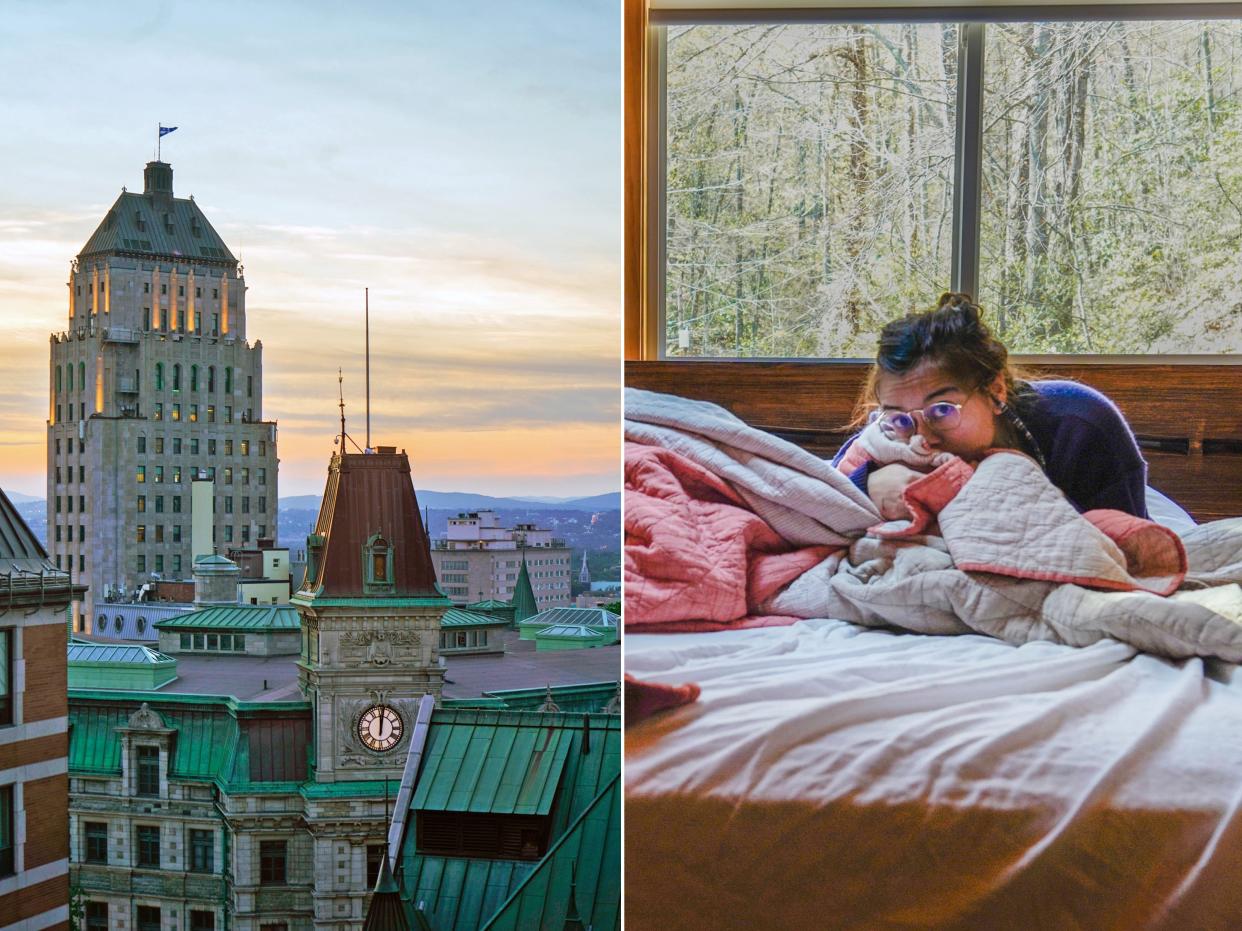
94,835
273,868
645,158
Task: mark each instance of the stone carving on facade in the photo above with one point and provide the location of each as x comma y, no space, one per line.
145,719
377,647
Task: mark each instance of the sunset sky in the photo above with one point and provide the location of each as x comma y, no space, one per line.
461,160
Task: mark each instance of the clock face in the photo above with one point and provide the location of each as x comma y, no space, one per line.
380,728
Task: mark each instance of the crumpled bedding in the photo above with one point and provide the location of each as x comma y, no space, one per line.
1006,555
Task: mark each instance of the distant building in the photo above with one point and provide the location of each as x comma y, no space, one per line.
34,782
584,574
197,809
478,559
153,383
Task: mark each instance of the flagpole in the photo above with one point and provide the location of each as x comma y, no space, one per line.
159,138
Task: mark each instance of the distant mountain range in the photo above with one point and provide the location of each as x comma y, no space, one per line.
18,498
467,501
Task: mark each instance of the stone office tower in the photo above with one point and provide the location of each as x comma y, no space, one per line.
153,381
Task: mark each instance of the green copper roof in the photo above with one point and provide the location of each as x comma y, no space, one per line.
578,617
593,697
567,632
461,894
85,651
136,224
235,617
588,857
488,604
464,894
456,617
205,737
524,604
499,765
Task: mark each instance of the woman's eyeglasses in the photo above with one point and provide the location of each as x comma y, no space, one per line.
940,417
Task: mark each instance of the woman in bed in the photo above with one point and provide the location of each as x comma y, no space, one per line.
944,377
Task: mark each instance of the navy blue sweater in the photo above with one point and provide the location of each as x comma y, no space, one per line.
1090,450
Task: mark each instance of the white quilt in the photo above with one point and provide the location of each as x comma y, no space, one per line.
836,777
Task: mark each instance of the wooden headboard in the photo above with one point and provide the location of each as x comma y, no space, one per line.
1188,417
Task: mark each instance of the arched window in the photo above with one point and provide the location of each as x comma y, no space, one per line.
193,377
228,379
58,379
377,565
159,376
81,375
69,377
211,378
177,376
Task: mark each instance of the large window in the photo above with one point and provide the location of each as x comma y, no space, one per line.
148,840
202,850
95,836
8,833
1083,178
149,915
273,855
96,916
6,676
148,760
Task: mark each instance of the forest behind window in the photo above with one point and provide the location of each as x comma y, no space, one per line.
809,185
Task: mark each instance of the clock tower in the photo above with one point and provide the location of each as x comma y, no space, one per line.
370,611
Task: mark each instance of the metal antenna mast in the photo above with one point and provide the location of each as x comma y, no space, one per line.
340,381
367,299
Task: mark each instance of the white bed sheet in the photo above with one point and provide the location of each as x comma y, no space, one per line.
832,776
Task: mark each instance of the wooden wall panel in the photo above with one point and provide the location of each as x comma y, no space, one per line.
1187,417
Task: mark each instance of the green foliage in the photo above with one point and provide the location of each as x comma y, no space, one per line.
809,180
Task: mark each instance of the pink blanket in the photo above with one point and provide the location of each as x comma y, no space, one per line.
696,557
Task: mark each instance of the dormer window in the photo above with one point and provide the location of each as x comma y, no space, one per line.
147,759
377,565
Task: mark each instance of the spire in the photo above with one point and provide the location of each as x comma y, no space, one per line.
387,911
549,703
524,604
584,574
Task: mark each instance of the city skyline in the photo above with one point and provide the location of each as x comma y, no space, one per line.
361,154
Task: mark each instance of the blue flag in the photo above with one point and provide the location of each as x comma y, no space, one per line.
165,130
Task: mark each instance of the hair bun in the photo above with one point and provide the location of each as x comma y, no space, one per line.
955,300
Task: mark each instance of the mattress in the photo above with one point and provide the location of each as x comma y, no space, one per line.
836,777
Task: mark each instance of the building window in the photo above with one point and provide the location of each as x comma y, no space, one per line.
176,504
176,534
159,475
202,921
176,560
159,533
211,413
159,376
272,862
141,477
148,764
228,505
193,413
211,378
177,377
176,412
262,476
149,918
228,413
194,443
193,377
159,562
81,533
140,625
159,505
375,856
202,843
140,563
7,832
228,447
477,834
262,506
58,529
140,533
97,916
245,475
96,841
245,533
148,837
245,447
228,533
245,505
228,475
176,474
158,412
228,379
81,562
